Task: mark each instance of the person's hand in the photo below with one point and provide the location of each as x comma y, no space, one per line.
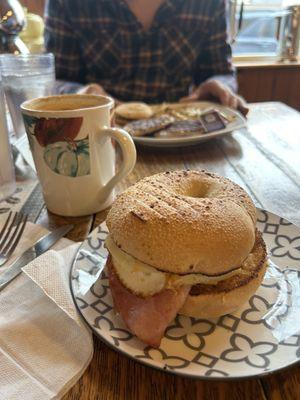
92,88
216,90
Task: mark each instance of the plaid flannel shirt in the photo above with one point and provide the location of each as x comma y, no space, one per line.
101,41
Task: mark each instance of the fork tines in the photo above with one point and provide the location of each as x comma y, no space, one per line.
10,234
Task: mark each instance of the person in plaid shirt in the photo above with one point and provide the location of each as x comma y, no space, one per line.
143,50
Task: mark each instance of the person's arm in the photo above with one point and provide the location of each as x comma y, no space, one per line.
215,61
62,40
214,75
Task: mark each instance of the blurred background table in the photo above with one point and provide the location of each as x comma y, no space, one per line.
265,160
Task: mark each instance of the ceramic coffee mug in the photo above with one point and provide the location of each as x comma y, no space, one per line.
71,142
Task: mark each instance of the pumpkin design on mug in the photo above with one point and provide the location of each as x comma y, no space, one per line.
62,153
69,158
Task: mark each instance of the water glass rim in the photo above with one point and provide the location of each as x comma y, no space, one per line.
26,63
26,56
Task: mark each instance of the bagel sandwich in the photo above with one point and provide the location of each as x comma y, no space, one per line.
182,242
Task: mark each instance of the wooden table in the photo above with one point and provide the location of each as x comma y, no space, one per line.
265,160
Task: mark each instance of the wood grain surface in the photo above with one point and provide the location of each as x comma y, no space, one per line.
272,81
265,160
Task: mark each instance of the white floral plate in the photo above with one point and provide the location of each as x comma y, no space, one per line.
237,121
260,338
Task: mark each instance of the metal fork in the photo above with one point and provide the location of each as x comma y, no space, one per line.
10,235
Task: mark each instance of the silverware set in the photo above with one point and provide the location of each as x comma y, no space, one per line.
9,238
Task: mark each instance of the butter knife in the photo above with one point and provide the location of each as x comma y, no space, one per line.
33,252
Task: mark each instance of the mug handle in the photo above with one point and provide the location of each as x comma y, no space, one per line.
128,154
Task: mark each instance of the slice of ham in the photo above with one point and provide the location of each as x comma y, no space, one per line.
147,318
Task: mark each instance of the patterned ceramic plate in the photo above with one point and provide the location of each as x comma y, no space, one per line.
262,337
236,121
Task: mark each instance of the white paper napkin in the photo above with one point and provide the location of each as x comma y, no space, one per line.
44,345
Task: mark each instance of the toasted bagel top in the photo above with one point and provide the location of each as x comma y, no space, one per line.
185,222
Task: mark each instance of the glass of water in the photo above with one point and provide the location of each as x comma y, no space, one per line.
25,77
7,173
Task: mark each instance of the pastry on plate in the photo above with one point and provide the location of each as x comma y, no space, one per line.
134,110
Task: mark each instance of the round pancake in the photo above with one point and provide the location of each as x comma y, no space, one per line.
134,110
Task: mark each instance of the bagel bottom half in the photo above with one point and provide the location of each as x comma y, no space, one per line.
208,301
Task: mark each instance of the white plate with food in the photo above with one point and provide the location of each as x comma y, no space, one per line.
176,124
260,337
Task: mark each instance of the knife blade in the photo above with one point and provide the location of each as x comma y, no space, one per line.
33,252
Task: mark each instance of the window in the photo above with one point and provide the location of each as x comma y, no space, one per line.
255,27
